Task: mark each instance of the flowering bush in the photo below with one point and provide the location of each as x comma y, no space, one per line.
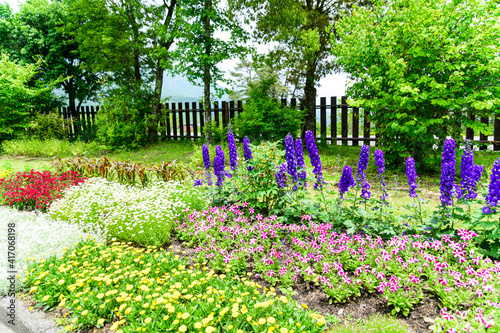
6,170
154,290
36,190
141,215
400,269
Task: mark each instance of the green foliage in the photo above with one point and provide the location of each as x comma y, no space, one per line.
264,118
124,119
17,96
49,126
420,67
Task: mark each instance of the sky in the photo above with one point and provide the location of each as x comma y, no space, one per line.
330,85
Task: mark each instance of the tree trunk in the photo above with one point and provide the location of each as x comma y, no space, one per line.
153,135
206,74
310,101
73,110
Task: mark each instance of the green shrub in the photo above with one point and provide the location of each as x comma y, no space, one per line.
264,118
123,121
49,126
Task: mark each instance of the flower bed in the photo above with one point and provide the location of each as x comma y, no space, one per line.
152,290
400,269
141,215
36,190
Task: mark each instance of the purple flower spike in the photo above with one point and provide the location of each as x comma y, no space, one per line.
346,180
470,174
494,189
206,163
315,160
291,164
411,175
299,153
380,164
363,163
447,172
233,158
281,176
219,165
247,153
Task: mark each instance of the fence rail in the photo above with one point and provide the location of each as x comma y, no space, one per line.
337,123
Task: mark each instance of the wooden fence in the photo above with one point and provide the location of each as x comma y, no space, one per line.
338,123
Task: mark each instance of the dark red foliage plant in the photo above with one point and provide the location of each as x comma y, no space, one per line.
36,190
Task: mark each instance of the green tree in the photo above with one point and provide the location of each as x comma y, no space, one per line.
420,67
301,29
200,51
18,100
37,31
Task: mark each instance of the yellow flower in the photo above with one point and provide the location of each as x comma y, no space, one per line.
100,321
46,298
183,328
60,282
271,320
230,327
239,331
321,322
210,329
176,322
305,305
147,320
100,296
74,320
185,315
249,318
284,330
130,287
262,321
84,312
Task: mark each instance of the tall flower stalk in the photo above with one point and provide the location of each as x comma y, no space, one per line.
315,160
291,163
411,175
219,165
299,153
470,174
494,189
364,156
281,175
206,163
247,152
380,164
447,173
233,158
346,181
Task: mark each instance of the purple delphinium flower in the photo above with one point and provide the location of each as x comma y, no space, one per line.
346,180
447,172
411,175
362,163
206,163
198,182
365,190
231,144
219,165
469,173
301,164
281,175
380,164
247,153
494,189
291,164
315,160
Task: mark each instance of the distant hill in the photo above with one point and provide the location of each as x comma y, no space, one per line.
176,88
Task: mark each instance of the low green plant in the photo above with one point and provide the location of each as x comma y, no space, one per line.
49,126
35,147
264,118
374,324
145,215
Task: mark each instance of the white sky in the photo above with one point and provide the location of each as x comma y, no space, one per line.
331,85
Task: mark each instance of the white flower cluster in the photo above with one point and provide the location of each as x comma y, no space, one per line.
36,236
142,215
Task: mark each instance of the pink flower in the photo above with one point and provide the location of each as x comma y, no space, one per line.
282,271
227,258
270,273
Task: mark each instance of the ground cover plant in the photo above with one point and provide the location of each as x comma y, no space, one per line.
36,190
35,238
143,215
153,290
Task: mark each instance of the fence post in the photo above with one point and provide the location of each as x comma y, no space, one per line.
355,126
344,120
484,120
188,122
231,109
469,132
366,127
323,120
216,114
195,120
225,114
333,115
496,133
174,120
202,119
